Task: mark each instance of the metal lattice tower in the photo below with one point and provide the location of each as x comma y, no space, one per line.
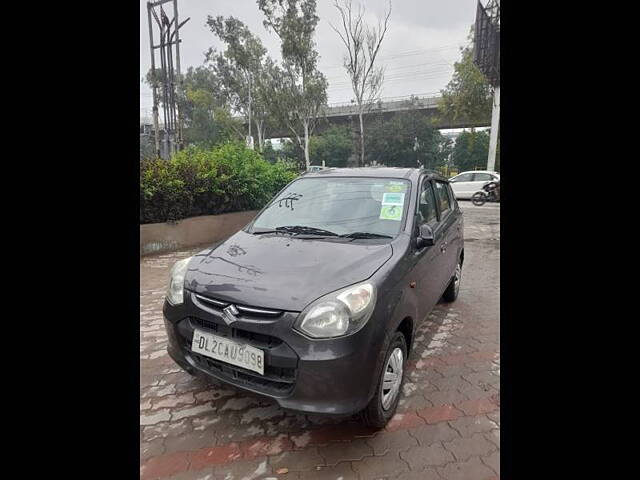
166,80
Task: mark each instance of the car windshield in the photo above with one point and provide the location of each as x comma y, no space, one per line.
341,206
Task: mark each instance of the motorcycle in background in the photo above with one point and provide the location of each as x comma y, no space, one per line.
489,193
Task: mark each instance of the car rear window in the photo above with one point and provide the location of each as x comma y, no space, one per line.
482,177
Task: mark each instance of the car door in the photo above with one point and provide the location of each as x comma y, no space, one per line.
480,180
456,235
462,185
429,260
448,230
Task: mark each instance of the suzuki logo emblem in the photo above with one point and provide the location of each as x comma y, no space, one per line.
230,314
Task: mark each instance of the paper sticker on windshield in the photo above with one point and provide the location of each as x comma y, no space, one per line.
395,187
393,198
391,212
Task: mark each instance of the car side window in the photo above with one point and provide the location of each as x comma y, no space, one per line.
482,177
427,212
443,200
465,177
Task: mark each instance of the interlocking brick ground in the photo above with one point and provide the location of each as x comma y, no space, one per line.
447,425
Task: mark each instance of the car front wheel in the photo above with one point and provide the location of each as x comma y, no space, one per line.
479,198
384,403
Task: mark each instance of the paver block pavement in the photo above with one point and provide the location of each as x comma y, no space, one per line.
472,469
429,434
297,461
342,470
392,442
430,456
426,474
465,448
493,461
385,466
467,426
342,452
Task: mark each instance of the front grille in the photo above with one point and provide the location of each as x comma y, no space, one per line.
280,360
246,310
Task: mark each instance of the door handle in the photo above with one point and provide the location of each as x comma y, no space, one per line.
443,247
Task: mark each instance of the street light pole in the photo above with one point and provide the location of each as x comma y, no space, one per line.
495,125
486,56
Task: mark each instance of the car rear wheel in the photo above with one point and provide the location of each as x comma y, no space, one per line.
384,403
451,293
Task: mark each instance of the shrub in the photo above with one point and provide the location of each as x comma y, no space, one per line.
199,181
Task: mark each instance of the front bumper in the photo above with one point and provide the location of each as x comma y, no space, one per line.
335,376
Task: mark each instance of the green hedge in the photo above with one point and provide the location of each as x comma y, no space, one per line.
198,181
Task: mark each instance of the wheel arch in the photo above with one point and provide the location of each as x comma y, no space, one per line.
406,328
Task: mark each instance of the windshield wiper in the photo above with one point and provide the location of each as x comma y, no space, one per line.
301,229
364,235
304,230
260,232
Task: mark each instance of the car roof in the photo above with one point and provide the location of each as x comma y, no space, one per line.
479,171
376,172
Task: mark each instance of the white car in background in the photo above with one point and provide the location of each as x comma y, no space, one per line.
465,184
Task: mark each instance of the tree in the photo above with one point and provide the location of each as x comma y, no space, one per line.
297,90
363,44
269,153
406,140
334,147
471,150
468,95
205,110
445,152
265,111
240,68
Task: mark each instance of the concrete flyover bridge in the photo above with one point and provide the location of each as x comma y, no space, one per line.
346,114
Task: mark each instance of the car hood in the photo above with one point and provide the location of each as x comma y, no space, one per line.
280,271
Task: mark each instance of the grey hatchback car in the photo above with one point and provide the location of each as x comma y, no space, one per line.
315,303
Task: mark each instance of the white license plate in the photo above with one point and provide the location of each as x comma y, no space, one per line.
228,351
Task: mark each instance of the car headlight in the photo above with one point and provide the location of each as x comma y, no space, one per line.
175,292
340,313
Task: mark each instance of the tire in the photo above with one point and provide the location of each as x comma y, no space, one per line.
451,293
381,407
479,198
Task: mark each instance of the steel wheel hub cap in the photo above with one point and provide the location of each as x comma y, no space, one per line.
456,280
392,378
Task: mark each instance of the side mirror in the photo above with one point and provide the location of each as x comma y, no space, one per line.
425,236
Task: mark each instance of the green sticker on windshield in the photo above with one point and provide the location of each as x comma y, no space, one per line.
390,198
391,212
392,204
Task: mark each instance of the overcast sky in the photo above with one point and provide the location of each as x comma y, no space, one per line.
418,52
